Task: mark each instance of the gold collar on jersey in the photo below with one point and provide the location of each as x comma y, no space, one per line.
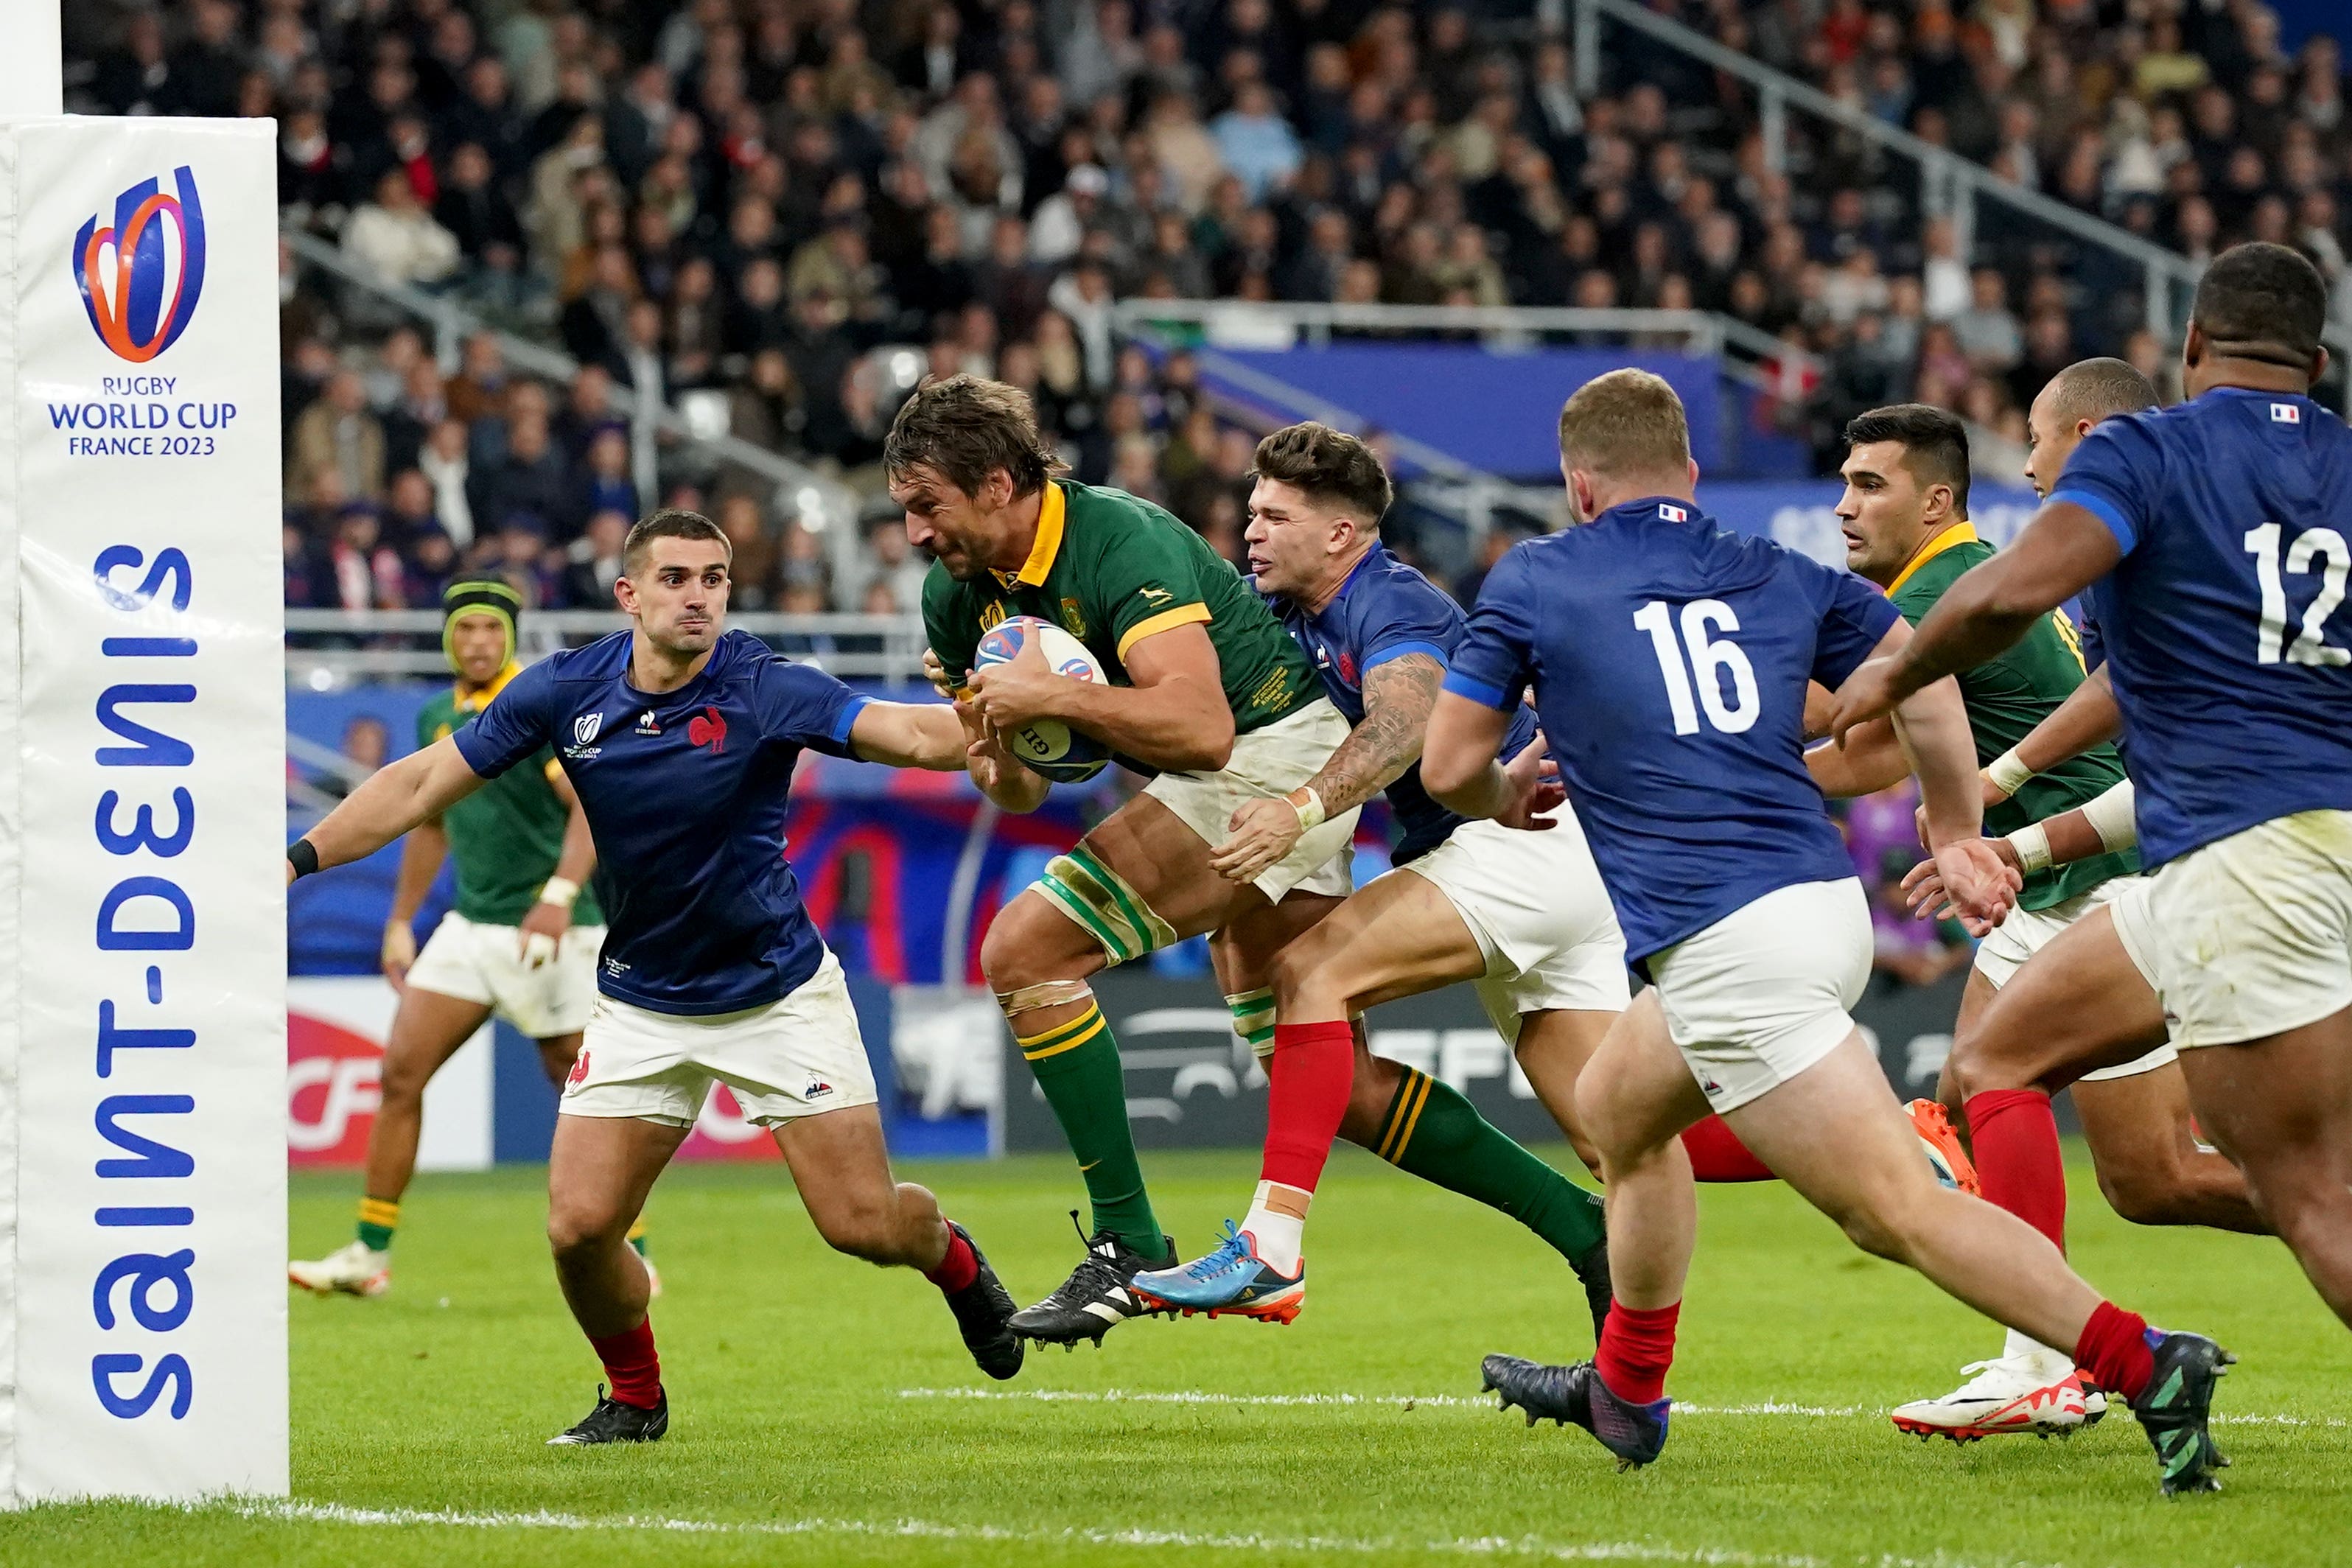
474,698
1952,538
1051,518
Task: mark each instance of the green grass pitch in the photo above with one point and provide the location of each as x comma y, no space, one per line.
823,1412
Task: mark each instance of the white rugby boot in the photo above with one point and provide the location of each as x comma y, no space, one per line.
355,1269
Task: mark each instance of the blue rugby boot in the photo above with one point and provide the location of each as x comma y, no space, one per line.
1231,1282
1636,1434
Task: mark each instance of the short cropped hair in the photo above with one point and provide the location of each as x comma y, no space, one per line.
1331,468
1626,422
2263,301
2096,389
669,523
1935,444
966,428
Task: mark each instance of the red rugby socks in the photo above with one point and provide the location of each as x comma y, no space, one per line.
2114,1350
958,1268
1636,1349
631,1365
2015,1140
1312,1067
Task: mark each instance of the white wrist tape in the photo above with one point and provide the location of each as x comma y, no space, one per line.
2008,772
1311,814
2031,843
2113,817
561,892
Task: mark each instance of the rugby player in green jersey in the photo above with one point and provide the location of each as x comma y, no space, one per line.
1905,517
520,939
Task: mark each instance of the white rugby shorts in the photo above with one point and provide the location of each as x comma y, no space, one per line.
799,1056
1267,765
1534,903
2027,931
1765,992
2250,935
483,964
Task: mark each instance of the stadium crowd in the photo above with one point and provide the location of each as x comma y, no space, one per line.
744,197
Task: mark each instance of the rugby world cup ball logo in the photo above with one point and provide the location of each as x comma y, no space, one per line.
140,275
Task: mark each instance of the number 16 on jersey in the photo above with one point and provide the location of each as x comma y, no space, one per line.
1712,659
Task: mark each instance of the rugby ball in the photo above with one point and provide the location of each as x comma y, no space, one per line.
1048,747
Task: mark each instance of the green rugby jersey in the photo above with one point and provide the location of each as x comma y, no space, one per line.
1111,570
507,836
2006,696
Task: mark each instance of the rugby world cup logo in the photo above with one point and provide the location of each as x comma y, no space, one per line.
140,277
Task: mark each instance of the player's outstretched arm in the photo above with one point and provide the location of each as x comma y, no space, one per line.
421,785
2098,826
2089,716
2062,552
1398,698
1174,716
925,735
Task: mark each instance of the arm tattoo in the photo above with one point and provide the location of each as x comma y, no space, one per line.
1398,697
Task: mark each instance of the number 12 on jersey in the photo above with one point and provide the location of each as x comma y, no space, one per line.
1710,661
2322,548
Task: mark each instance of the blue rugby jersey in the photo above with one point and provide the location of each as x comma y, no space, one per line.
1669,659
2223,623
1385,610
685,794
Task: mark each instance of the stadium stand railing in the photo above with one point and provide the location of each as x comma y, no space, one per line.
1953,185
327,649
1746,355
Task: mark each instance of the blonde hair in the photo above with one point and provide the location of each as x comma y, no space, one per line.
1626,422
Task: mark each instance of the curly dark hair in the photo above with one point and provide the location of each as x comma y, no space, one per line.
965,428
1332,468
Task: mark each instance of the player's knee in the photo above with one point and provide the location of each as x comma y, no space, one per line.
1304,972
2143,1187
573,1228
1022,947
1884,1224
402,1085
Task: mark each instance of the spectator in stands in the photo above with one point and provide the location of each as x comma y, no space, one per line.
444,462
304,582
604,483
529,478
365,572
1986,331
594,561
366,747
396,239
338,434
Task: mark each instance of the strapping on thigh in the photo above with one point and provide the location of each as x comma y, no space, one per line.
1105,905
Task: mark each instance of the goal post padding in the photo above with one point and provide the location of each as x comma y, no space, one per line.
142,911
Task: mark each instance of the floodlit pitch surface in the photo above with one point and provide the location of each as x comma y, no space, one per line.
823,1411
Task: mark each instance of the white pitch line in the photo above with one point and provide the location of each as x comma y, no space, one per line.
1401,1401
1534,1548
1472,1401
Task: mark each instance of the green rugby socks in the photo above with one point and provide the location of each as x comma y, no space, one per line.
1434,1132
1077,1063
379,1217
